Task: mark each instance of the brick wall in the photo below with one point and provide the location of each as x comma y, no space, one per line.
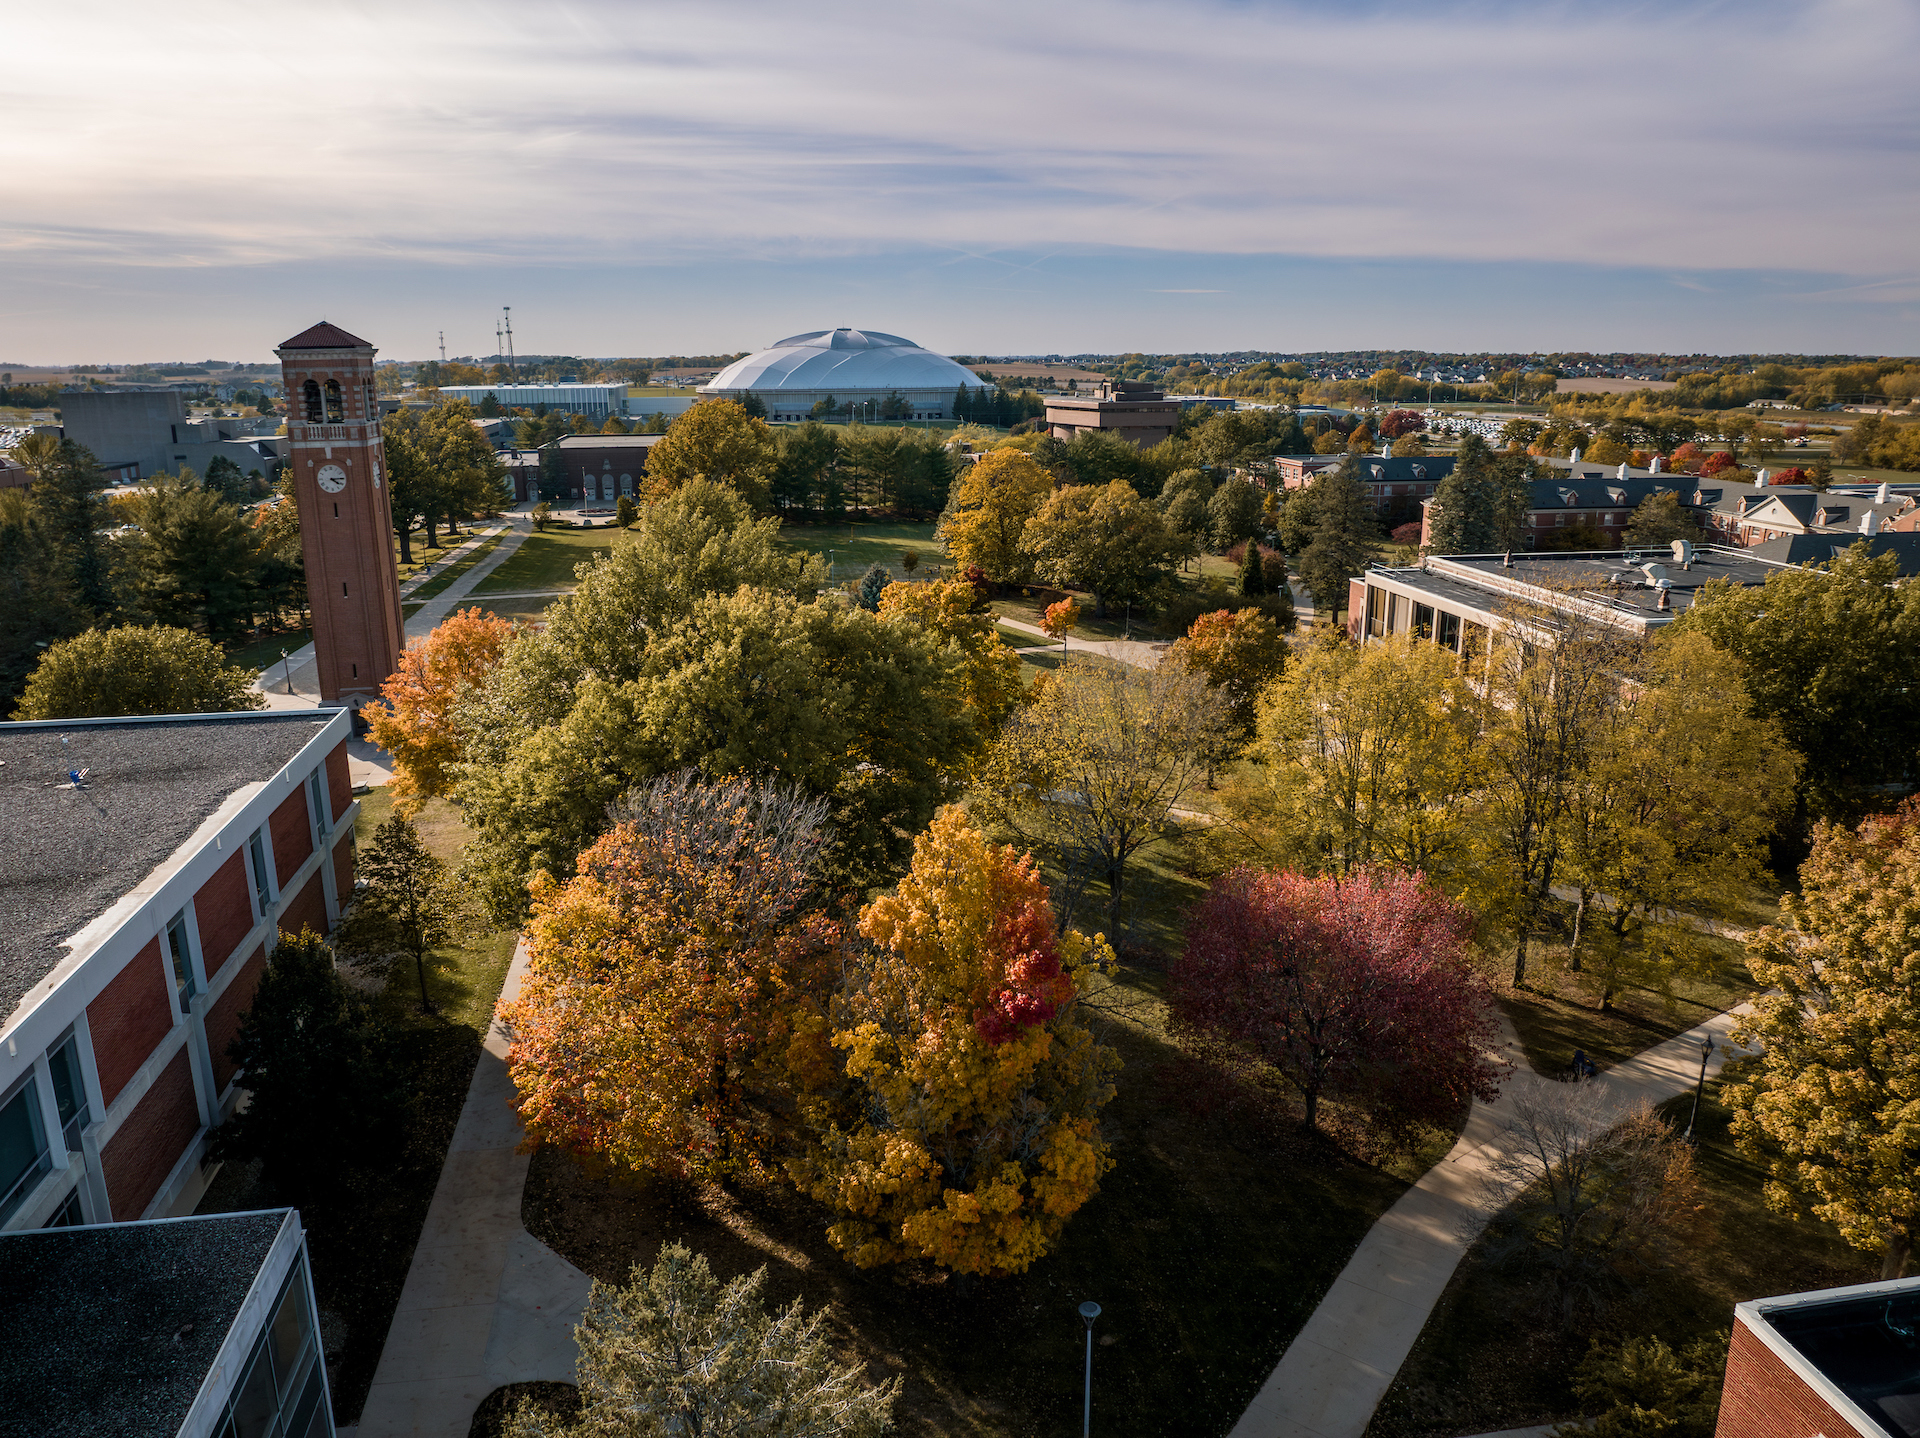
343,869
145,1148
223,1019
223,908
1764,1398
131,1015
339,785
292,835
306,910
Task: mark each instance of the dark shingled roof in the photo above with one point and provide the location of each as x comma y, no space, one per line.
111,1330
1820,548
324,336
67,856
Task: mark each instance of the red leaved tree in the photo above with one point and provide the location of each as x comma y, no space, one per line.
1402,421
1717,461
1796,475
1355,987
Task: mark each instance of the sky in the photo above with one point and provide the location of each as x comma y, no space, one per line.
203,180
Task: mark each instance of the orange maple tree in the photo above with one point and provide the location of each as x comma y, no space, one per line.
416,725
961,1123
656,1025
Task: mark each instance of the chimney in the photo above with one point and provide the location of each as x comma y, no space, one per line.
1883,494
1507,561
1662,602
1760,480
1621,473
1657,465
1574,458
1870,523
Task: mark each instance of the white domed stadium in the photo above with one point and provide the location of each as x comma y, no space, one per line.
884,375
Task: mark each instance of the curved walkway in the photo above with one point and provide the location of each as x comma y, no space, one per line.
1336,1371
485,1302
1137,652
305,682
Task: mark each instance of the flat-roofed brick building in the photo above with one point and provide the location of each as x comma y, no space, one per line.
139,906
1838,1362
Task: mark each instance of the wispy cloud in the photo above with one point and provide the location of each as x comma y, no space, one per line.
1589,133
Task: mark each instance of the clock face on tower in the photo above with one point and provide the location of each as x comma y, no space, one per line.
332,478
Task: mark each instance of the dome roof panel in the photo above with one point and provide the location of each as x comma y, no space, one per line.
843,359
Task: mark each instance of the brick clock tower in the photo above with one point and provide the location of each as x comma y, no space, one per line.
346,520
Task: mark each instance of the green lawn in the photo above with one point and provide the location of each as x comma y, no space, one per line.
446,574
264,654
547,560
857,545
1209,1244
360,1265
1491,1357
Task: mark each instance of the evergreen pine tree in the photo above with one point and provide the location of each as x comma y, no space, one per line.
1253,579
67,495
871,583
224,478
1345,529
37,605
962,404
753,405
1461,518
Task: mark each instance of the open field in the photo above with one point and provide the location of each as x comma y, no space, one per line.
1493,1356
857,544
446,574
1610,386
264,654
547,559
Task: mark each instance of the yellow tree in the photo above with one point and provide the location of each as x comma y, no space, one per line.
1365,752
1832,1100
1675,794
416,725
989,672
718,441
963,1126
989,510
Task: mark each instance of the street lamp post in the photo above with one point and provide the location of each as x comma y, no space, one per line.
1088,1311
1706,1050
287,665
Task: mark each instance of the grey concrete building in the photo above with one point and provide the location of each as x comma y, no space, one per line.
136,434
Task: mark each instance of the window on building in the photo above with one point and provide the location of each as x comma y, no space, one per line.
262,886
336,410
23,1147
317,800
1376,612
1423,621
182,956
281,1394
69,1090
310,402
1448,634
68,1214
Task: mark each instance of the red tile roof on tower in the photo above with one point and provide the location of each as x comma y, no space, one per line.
324,336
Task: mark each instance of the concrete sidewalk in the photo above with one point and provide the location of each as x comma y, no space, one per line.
1136,652
306,686
1336,1371
485,1303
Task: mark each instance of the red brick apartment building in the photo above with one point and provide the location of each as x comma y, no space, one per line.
1839,1362
149,867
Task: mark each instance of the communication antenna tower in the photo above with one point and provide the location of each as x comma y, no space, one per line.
507,310
443,346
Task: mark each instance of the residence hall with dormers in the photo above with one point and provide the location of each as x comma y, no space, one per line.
149,867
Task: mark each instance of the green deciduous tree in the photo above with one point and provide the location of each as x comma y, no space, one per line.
1233,515
1832,1100
1104,539
136,670
675,1353
1659,519
1641,1388
1833,657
